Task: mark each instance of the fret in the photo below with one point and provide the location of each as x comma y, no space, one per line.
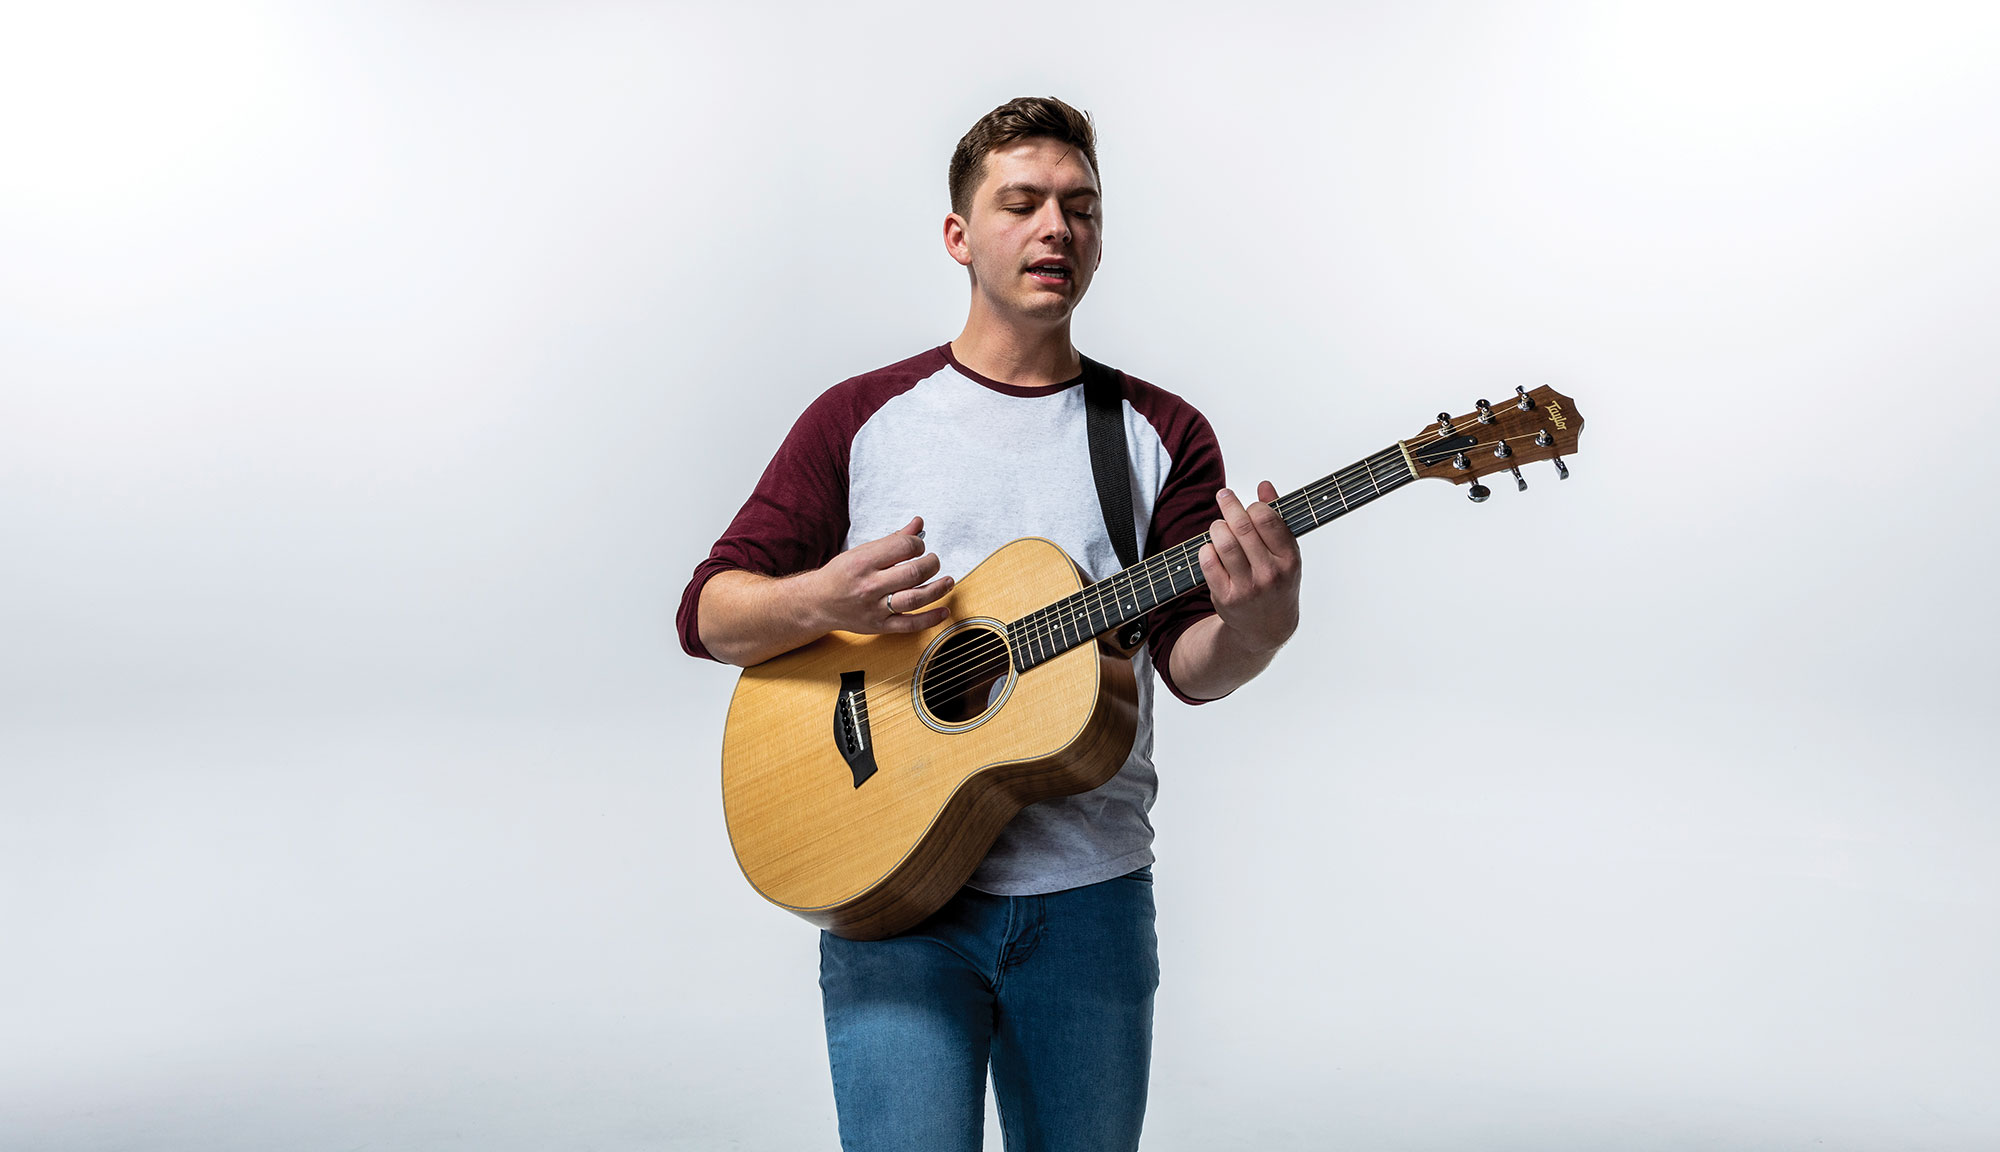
1353,494
1153,597
1128,599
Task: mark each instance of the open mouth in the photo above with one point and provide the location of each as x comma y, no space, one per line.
1049,272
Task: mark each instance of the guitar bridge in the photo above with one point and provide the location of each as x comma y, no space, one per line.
850,727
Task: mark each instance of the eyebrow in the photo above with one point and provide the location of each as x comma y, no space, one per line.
1039,190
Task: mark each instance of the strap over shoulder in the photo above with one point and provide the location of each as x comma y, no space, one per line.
1112,469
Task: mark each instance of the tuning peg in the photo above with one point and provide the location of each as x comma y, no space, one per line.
1522,402
1503,450
1459,462
1543,439
1478,492
1520,481
1485,412
1562,469
1444,423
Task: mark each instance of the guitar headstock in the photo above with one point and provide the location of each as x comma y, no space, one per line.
1535,425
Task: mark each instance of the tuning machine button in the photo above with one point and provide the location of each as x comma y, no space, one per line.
1562,469
1478,492
1520,481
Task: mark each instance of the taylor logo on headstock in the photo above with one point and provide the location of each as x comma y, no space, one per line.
1556,416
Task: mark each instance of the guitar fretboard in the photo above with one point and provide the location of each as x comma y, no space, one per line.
1048,632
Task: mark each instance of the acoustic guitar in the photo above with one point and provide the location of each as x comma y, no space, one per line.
865,777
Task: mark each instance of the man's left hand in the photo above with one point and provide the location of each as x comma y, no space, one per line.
1251,562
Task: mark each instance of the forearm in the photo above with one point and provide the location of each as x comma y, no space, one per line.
1210,660
746,618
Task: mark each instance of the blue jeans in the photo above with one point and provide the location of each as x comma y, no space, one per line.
1055,990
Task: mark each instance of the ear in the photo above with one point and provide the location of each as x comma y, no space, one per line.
954,239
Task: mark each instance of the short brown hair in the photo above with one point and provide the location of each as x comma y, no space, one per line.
1018,119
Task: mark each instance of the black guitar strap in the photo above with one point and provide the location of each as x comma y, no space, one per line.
1112,469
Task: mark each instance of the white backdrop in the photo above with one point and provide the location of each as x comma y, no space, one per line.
372,376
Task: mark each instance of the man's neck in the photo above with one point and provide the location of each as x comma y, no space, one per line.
1011,356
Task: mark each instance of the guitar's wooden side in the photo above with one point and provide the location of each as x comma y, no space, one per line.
870,861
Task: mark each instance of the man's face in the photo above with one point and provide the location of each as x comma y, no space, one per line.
1032,234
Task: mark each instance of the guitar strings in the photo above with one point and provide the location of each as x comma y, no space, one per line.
1054,628
957,675
1058,623
1067,623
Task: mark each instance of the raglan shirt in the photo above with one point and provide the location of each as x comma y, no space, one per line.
985,463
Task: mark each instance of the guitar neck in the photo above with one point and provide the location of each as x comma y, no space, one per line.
1111,603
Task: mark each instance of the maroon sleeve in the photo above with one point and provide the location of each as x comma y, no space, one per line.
796,518
1185,508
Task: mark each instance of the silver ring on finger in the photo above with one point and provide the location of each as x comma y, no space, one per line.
889,602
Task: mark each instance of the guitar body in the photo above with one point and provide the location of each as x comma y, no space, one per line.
865,777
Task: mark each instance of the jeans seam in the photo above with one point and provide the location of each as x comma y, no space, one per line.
1035,923
1000,954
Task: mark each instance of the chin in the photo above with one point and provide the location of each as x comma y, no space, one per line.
1050,306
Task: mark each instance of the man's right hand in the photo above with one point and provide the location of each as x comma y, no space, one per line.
880,586
884,585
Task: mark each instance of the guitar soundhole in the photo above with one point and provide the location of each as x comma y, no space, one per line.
964,676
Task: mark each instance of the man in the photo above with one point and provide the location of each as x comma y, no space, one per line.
1044,967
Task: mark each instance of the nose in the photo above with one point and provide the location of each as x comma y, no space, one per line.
1055,222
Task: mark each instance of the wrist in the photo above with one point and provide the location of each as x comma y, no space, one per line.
806,604
1256,645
